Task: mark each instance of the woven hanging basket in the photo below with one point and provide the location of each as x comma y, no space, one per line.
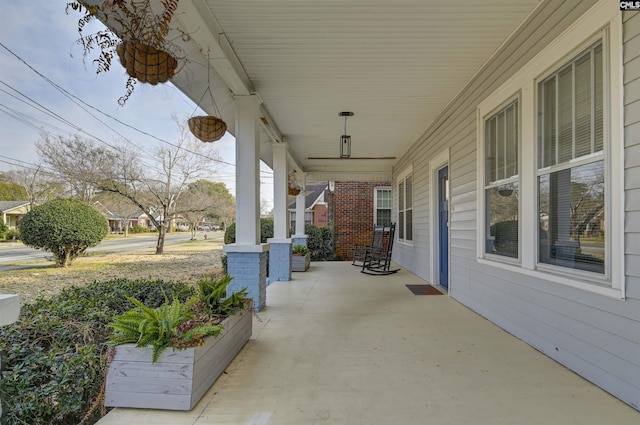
207,128
294,191
146,63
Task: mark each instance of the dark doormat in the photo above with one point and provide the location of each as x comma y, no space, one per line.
424,290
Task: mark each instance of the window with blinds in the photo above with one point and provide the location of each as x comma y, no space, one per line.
382,206
405,209
501,182
571,173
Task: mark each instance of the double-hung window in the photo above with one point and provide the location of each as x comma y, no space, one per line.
382,206
501,182
550,162
571,165
405,207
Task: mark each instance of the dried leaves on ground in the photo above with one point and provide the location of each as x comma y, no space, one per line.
44,280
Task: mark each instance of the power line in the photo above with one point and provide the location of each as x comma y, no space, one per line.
29,120
71,97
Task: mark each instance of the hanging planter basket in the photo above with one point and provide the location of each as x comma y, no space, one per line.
207,128
294,191
146,63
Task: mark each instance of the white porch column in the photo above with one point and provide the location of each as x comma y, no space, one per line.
247,171
300,238
280,175
280,244
247,258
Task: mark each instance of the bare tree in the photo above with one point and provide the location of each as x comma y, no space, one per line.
77,162
39,184
157,189
223,207
194,204
121,207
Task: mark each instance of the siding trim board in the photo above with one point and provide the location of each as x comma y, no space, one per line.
592,329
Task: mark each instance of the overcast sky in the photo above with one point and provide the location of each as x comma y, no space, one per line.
39,34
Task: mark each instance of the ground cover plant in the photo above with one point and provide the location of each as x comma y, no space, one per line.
57,352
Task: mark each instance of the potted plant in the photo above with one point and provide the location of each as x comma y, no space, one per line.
168,357
301,258
137,34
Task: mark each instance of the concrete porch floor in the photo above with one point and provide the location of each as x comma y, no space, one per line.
335,346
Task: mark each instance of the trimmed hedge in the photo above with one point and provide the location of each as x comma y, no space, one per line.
64,227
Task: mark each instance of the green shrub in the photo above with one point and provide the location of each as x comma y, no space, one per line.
266,231
56,352
225,261
12,235
65,227
3,230
319,242
139,229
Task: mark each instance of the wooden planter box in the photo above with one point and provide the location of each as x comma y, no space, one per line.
179,379
300,263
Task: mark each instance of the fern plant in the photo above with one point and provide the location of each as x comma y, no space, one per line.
212,292
170,325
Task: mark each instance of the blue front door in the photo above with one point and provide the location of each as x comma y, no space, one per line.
443,225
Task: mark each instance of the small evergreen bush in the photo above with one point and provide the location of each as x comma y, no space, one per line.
64,227
266,231
319,242
139,229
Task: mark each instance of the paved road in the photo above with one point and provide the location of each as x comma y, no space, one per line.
11,253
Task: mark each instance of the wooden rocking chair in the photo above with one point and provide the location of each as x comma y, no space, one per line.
376,259
376,242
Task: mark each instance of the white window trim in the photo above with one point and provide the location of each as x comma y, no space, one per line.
605,14
375,201
401,177
481,181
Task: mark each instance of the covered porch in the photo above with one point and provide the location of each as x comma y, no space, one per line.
336,346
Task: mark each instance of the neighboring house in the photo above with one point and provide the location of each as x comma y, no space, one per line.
356,208
12,212
118,223
316,208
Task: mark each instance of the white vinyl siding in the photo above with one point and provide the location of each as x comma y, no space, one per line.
582,324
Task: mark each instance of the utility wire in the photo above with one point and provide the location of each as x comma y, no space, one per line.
72,97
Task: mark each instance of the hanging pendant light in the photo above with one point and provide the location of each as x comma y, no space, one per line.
345,140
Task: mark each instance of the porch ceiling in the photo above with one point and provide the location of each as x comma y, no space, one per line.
396,65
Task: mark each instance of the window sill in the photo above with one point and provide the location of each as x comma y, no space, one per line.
553,278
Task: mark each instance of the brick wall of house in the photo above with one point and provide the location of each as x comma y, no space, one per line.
320,215
353,216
